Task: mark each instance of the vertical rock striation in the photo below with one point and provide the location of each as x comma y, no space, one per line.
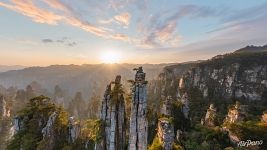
4,110
165,125
138,120
166,133
74,130
113,115
49,133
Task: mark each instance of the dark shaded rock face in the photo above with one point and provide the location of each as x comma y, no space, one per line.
230,76
138,120
113,115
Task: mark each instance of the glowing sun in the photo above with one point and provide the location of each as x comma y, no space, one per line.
110,57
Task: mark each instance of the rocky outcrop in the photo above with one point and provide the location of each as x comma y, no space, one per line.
74,130
165,133
264,117
230,76
4,109
210,117
17,124
236,113
138,120
165,127
113,116
49,132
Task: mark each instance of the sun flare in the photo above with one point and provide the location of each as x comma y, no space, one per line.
110,57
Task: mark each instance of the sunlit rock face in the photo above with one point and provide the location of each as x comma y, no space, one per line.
166,133
138,120
234,80
48,131
236,113
264,117
113,115
74,130
4,109
210,117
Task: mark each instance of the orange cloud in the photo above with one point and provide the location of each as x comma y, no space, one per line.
123,18
28,8
37,14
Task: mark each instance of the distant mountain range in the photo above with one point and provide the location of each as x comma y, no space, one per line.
87,79
4,68
252,48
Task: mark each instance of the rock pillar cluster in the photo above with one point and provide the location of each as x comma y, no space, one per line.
236,113
113,116
138,120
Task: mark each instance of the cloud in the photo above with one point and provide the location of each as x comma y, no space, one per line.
61,13
123,18
64,40
47,41
28,8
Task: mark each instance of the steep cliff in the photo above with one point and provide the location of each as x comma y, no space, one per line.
166,133
238,75
114,118
138,119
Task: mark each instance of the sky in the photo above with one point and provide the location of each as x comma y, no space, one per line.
46,32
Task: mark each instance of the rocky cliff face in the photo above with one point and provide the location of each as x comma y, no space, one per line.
49,132
74,130
165,133
5,123
4,109
239,75
165,126
138,120
113,116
